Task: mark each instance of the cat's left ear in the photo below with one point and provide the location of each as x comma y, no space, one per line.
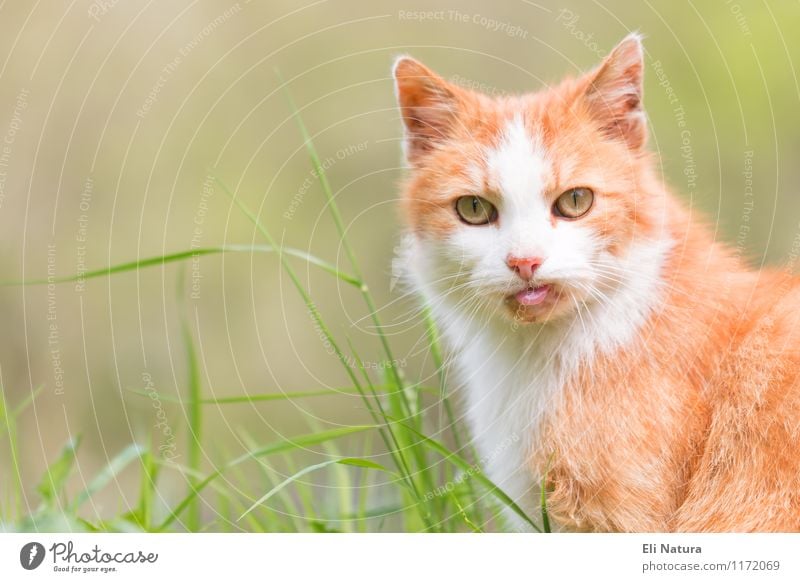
614,94
428,104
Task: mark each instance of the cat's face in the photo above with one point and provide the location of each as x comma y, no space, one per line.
527,205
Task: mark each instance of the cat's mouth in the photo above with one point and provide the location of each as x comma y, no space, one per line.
532,295
533,303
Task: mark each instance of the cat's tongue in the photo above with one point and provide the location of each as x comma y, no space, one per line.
532,296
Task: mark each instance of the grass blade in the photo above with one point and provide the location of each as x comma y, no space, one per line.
58,472
147,488
183,256
283,502
463,513
9,426
391,439
355,462
434,342
269,396
194,409
278,396
28,400
475,473
271,449
114,468
543,498
319,172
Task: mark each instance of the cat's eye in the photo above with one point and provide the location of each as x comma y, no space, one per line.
476,210
573,203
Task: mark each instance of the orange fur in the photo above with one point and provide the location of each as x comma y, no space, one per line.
694,425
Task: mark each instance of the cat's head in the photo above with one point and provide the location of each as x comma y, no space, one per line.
527,204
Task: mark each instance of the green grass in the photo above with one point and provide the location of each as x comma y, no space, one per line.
421,484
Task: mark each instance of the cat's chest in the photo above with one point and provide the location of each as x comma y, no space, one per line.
508,390
559,400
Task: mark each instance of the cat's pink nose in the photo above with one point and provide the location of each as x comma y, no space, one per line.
525,267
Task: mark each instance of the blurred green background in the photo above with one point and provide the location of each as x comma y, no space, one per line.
112,113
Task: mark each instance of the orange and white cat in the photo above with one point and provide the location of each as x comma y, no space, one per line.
593,322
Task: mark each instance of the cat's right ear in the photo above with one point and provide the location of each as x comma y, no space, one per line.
428,106
615,91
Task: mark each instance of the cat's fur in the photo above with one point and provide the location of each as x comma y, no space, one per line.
662,384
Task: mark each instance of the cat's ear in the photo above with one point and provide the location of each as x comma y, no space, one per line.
614,93
428,106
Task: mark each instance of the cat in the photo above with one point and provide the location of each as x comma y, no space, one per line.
601,337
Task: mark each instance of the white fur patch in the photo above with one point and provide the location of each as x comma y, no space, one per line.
517,166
